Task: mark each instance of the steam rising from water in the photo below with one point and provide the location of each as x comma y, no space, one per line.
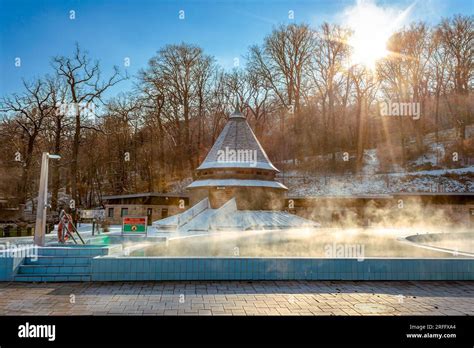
410,213
388,223
325,242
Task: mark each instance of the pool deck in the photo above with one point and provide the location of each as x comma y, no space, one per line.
239,298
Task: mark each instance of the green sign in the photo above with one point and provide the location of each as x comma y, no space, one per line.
134,225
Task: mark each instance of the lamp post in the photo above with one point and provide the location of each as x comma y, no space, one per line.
40,227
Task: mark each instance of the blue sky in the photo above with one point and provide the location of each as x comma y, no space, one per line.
110,30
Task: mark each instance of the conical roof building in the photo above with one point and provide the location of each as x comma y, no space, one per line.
238,167
235,188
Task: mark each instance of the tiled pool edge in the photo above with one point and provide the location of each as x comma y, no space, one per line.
151,268
117,268
9,266
11,260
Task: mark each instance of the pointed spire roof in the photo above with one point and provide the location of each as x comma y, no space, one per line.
237,113
238,136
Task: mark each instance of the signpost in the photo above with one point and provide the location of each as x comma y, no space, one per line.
90,214
41,210
134,225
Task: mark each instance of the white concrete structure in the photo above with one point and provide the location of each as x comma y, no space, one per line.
235,188
40,227
202,218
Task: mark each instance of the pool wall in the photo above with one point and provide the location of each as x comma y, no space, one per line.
9,264
104,263
120,239
53,263
157,268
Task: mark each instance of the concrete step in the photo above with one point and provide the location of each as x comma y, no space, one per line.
167,227
72,251
59,261
62,263
42,270
53,278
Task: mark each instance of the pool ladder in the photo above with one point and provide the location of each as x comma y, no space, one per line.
66,225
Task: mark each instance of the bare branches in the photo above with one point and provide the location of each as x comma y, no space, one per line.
282,61
457,35
85,86
298,89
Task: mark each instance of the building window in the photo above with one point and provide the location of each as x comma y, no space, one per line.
110,213
124,212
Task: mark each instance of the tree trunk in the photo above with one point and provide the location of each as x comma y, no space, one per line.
25,176
55,167
75,150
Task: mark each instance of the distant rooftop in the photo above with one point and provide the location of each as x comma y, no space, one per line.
145,194
237,182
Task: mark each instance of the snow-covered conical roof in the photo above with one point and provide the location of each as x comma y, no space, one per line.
237,140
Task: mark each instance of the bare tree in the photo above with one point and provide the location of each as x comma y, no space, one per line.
121,126
457,35
282,60
152,94
56,128
185,70
439,72
29,111
252,94
365,86
328,63
85,87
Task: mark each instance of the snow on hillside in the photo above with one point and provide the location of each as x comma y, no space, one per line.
370,182
432,156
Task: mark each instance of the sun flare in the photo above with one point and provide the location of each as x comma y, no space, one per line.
372,26
368,52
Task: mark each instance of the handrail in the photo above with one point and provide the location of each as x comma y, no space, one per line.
66,221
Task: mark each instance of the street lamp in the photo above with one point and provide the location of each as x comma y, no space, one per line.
40,226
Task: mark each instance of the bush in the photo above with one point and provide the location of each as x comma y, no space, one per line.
389,156
105,226
424,166
465,153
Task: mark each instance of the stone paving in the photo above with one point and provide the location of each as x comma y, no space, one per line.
239,298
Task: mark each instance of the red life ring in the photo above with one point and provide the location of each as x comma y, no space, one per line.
60,232
63,237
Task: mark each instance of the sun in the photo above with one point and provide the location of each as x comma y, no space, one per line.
372,26
367,51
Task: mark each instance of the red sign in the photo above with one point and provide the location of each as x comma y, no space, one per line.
134,225
133,221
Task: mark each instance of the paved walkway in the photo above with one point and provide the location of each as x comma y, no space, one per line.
238,298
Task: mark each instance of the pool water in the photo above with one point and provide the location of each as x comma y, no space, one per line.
461,242
330,243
